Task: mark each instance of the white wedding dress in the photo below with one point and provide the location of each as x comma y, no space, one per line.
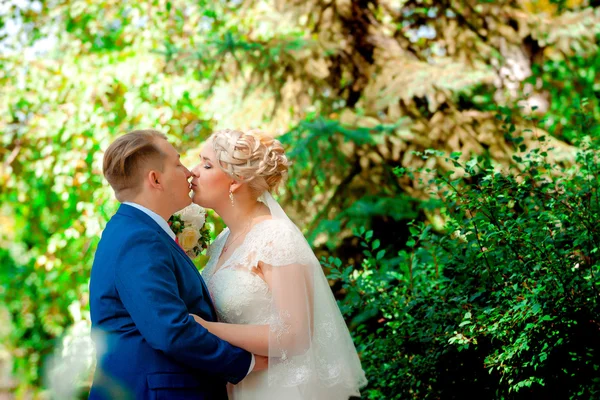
311,353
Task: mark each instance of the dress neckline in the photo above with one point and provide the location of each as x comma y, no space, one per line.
219,249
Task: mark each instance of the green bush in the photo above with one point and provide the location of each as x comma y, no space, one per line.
504,303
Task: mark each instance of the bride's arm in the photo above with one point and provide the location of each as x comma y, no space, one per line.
291,287
252,338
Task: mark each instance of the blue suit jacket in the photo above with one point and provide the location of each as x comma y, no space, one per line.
142,289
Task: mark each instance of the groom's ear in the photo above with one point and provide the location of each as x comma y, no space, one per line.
154,179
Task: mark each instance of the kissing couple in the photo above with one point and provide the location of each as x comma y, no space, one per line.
260,322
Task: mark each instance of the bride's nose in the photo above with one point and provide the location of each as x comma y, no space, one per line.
196,171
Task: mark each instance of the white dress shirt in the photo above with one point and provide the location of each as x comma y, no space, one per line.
157,218
163,224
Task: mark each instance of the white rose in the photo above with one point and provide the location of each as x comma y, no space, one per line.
198,221
188,238
194,215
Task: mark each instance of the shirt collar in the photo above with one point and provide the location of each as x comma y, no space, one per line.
157,218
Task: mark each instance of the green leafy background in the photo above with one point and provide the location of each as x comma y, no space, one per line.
444,170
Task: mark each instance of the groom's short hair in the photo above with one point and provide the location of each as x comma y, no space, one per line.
129,157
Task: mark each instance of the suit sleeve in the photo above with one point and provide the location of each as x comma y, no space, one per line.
146,283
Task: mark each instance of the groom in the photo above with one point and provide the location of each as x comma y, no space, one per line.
143,288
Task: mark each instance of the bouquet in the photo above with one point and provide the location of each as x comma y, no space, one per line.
190,231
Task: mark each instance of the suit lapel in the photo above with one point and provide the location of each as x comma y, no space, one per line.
142,217
189,262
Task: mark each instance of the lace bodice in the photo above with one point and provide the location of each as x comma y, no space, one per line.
239,295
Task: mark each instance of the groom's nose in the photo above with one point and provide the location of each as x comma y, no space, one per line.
188,174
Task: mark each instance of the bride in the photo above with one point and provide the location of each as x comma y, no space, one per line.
268,287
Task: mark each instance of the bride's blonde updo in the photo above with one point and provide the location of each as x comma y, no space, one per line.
252,157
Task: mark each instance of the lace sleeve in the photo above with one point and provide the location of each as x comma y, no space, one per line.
282,253
277,244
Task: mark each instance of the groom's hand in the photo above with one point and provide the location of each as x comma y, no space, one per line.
260,363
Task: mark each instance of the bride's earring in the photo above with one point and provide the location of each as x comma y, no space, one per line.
231,197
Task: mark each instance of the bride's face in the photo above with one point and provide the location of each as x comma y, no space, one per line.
209,183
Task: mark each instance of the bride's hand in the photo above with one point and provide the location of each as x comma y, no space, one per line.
200,321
